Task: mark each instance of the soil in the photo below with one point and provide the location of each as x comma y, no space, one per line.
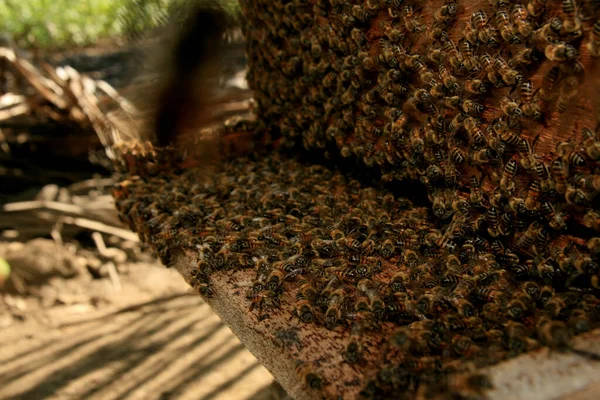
141,336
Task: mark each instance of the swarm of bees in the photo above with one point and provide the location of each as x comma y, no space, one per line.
443,93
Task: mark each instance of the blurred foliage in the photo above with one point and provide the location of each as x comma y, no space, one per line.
63,23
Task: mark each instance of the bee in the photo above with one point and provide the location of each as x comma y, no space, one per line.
457,122
446,13
435,55
464,288
394,35
510,108
304,311
528,158
454,265
264,298
553,333
482,156
463,306
533,194
449,81
470,62
523,58
472,108
556,220
560,52
591,183
410,21
305,372
421,100
387,249
572,23
476,136
509,76
518,306
507,30
579,322
547,33
354,348
591,219
334,311
475,86
536,7
475,196
451,51
414,62
457,155
479,20
519,16
517,336
434,33
594,43
591,144
464,346
275,279
508,174
568,91
546,293
530,108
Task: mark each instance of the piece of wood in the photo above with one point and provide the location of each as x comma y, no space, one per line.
279,339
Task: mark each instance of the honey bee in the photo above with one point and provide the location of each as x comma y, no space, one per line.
517,335
264,298
546,92
510,108
530,108
457,122
572,23
476,136
457,155
354,349
533,194
482,156
467,51
518,306
579,321
536,7
479,20
547,33
475,86
394,35
451,51
472,108
411,23
449,81
304,311
508,174
507,30
334,311
475,197
524,58
305,372
591,219
594,43
591,144
464,346
519,16
560,52
509,76
446,13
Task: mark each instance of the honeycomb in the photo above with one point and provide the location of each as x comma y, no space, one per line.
490,107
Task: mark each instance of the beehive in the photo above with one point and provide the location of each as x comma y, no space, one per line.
489,107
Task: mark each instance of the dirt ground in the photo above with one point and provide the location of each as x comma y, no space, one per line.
142,336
